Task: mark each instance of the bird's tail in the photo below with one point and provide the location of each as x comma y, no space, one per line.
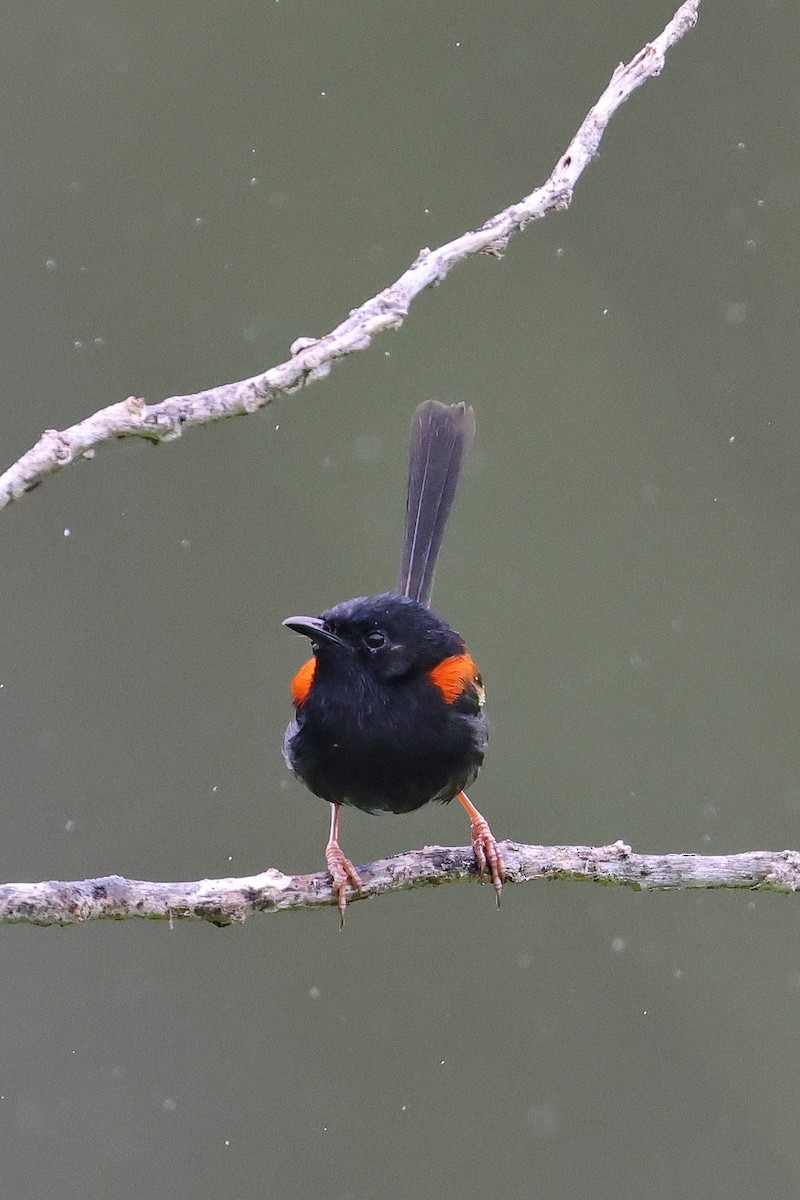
441,436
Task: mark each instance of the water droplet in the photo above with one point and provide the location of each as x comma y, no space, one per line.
542,1120
368,447
735,313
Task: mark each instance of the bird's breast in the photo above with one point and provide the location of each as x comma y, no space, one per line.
384,747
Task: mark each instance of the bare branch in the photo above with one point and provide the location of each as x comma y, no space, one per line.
226,901
313,358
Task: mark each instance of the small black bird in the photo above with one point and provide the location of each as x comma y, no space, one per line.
389,710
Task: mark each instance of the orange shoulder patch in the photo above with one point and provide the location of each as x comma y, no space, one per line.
301,684
458,674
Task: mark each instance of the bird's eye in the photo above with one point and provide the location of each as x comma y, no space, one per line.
375,640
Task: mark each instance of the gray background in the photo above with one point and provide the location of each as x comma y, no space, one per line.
186,189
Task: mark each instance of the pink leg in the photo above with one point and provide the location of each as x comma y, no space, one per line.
341,869
484,845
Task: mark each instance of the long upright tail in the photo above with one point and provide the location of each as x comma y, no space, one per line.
441,436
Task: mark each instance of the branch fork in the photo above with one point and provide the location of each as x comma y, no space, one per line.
312,359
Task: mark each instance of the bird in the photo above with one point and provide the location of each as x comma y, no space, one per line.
389,711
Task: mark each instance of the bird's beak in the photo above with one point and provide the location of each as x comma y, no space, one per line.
314,628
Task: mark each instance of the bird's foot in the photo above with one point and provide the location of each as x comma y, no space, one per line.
484,845
342,873
487,853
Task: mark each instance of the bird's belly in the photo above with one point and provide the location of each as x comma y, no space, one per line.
379,769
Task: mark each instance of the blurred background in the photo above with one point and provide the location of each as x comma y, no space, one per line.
188,188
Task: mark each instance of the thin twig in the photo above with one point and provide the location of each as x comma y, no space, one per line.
313,358
226,901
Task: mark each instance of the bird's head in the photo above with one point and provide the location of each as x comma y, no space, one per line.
389,636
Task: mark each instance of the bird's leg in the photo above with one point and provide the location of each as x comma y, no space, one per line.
484,845
341,869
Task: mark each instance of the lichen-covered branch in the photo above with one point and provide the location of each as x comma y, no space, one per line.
225,901
312,358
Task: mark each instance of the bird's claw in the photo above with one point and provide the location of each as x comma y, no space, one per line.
487,853
342,873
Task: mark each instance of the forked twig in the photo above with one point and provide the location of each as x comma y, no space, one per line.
313,358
